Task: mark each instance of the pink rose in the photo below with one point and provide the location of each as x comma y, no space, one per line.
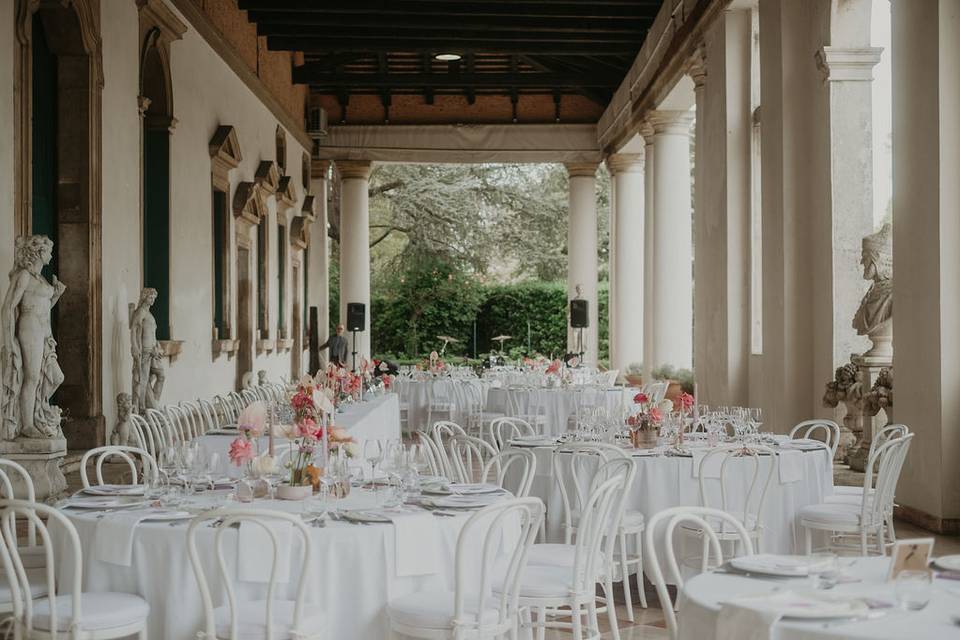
686,400
307,428
640,398
241,451
655,415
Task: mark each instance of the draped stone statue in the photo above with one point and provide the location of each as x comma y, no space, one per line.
874,318
28,353
262,378
148,373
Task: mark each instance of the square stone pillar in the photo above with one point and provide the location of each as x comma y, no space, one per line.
926,256
722,203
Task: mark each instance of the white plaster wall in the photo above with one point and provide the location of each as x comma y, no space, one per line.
6,142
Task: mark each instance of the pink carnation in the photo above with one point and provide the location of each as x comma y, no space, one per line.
640,398
241,451
655,415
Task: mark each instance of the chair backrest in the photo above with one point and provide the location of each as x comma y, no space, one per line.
8,488
223,411
158,420
599,519
126,454
255,518
889,458
41,516
469,456
522,465
503,430
209,415
490,524
441,431
525,403
574,467
178,421
808,428
434,458
664,524
886,434
756,494
193,417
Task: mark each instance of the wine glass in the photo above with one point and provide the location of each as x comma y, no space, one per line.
373,454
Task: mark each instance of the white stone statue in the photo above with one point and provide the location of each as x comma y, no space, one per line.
31,373
124,427
148,373
262,378
874,318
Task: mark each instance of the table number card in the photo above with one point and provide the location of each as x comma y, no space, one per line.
910,555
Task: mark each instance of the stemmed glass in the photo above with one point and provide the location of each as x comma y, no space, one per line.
373,454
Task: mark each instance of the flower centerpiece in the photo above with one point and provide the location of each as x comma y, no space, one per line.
683,404
243,452
644,422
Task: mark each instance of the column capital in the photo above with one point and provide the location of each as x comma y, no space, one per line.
851,64
676,122
581,169
354,169
625,163
646,130
320,168
697,66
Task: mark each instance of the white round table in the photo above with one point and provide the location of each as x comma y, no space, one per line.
665,481
352,575
556,405
699,606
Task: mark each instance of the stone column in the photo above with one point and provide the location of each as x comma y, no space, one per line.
355,246
319,266
649,350
626,273
722,204
582,253
926,256
672,301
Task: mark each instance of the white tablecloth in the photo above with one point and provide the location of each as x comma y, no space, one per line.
376,418
352,576
662,482
556,405
699,606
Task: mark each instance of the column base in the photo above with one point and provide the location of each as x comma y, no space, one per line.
42,458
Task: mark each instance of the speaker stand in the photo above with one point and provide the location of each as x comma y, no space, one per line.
354,354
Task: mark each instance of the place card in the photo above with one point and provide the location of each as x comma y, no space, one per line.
910,555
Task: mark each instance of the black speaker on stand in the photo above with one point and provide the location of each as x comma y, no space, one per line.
356,321
579,320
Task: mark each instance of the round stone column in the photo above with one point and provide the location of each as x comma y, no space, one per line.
672,313
582,254
355,246
649,350
627,273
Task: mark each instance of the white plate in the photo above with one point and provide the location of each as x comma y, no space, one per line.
115,490
949,563
103,503
644,452
461,502
534,442
803,444
165,516
774,565
819,606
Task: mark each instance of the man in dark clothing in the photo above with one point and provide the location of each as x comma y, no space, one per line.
338,347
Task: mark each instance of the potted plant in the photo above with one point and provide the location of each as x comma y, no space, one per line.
679,380
634,374
644,422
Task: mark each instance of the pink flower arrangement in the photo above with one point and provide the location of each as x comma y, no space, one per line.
554,368
646,417
684,402
241,451
253,419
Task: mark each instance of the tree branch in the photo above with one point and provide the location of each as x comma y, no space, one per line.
383,188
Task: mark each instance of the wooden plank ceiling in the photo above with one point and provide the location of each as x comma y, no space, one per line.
505,47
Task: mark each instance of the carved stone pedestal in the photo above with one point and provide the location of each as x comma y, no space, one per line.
42,458
869,368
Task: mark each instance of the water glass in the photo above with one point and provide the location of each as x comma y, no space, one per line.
913,589
824,570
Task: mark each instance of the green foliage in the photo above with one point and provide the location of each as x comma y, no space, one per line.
669,372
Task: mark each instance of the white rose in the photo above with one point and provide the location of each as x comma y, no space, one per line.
665,406
351,449
264,464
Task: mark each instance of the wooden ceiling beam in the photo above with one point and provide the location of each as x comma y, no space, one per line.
529,8
523,24
305,75
341,44
447,35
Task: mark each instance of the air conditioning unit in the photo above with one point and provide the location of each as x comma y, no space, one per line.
317,122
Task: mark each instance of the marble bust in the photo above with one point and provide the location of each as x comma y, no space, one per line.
28,354
874,318
148,373
123,428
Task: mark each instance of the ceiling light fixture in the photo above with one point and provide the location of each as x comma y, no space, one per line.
447,57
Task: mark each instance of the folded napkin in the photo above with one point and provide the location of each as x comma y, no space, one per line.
417,541
255,551
791,466
712,469
113,540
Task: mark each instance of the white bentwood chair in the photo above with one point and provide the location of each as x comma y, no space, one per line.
124,453
469,457
664,524
33,555
434,457
38,612
569,589
521,463
808,428
272,618
442,431
484,608
868,517
502,430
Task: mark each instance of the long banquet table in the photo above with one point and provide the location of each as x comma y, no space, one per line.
352,576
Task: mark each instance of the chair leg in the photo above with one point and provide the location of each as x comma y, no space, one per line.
593,625
863,542
625,577
640,583
611,611
143,632
542,623
881,542
890,529
807,540
575,620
